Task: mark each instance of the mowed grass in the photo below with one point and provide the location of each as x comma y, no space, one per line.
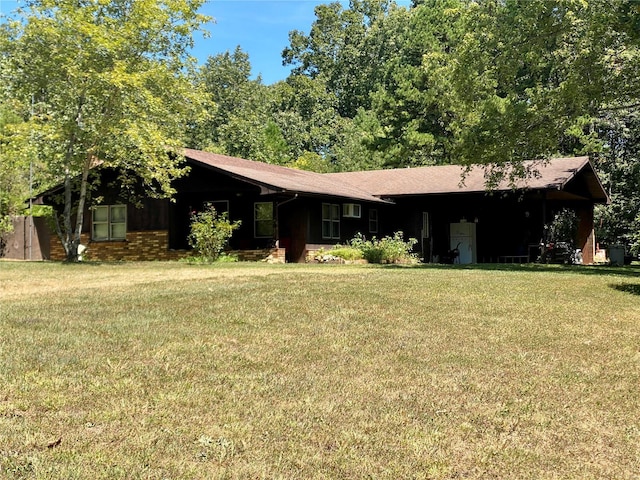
242,371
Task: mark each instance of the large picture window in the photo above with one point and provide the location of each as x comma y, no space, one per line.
330,221
109,222
263,219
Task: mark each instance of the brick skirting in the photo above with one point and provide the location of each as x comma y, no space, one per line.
149,246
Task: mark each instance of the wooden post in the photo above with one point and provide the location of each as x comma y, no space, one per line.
585,238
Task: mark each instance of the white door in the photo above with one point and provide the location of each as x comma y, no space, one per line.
463,236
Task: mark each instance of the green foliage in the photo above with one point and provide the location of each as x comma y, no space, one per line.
14,166
347,49
210,233
347,253
385,250
469,82
563,227
312,162
105,81
618,222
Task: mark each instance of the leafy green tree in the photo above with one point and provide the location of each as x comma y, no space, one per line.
226,80
306,114
346,49
498,82
415,105
111,83
351,151
243,123
14,170
619,168
530,79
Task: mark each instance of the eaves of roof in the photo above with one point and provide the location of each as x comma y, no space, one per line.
274,178
553,174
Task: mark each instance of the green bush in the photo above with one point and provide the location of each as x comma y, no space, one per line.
347,253
210,233
385,250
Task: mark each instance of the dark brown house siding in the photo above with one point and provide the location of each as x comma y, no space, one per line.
425,203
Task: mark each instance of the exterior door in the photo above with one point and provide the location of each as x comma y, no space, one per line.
463,237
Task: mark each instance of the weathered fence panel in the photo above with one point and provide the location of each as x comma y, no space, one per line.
29,240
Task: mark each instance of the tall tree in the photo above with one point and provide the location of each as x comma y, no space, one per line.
242,123
14,168
619,168
111,83
346,49
414,104
531,78
503,81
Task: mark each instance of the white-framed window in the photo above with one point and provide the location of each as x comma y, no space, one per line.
351,210
373,220
109,222
330,221
263,219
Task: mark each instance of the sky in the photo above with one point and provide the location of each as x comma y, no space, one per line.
260,27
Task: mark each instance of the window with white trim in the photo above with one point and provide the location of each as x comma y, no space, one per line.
330,221
351,210
109,222
373,220
263,219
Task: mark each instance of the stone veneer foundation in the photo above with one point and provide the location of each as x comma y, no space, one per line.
149,246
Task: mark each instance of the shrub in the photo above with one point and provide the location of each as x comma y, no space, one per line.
210,233
347,253
386,250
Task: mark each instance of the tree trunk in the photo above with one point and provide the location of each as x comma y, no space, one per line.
71,235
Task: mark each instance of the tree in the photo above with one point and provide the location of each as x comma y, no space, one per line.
415,105
619,168
14,169
110,81
346,49
504,81
530,79
243,124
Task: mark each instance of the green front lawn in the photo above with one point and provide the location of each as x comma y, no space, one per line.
169,370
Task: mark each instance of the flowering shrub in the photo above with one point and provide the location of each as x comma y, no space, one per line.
385,250
210,233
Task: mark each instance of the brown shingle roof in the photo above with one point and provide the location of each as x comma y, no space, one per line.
373,185
553,174
280,179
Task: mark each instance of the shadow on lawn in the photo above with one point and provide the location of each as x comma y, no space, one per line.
632,271
631,288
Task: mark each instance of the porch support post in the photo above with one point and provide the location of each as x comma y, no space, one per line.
585,238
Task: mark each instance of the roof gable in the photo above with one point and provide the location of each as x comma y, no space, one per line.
274,178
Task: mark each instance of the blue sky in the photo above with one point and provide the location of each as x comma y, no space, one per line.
260,27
